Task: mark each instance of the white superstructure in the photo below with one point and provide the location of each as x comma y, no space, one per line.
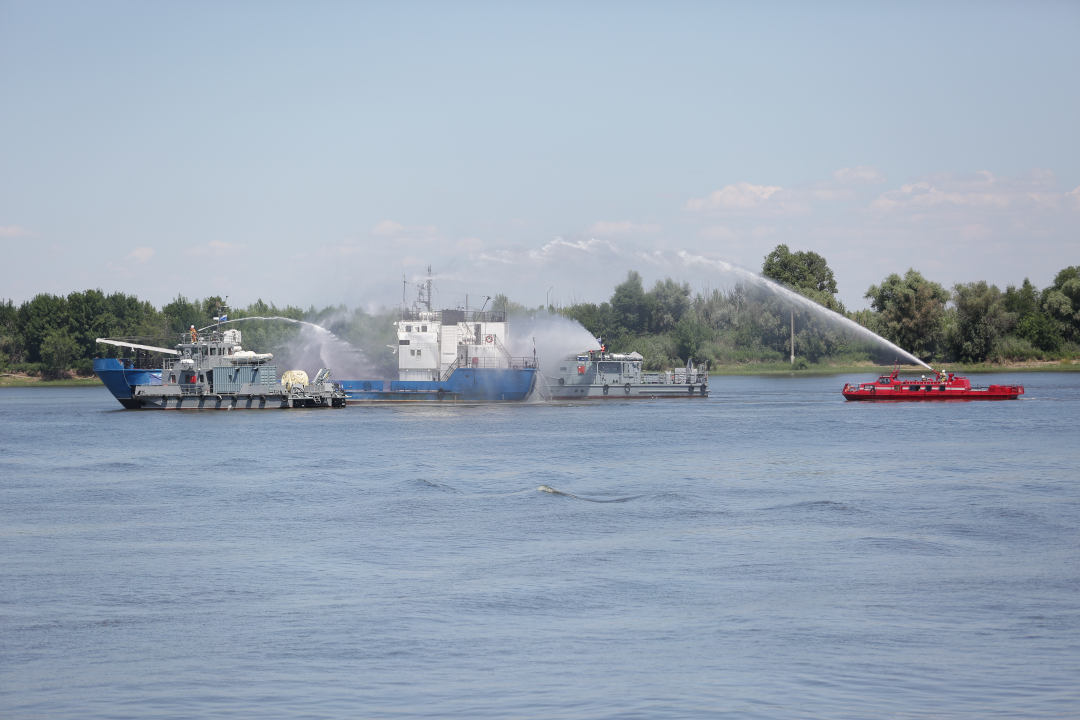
433,343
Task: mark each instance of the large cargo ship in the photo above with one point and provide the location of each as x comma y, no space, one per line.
450,356
619,376
456,356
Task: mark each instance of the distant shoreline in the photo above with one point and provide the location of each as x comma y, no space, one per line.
783,368
748,369
26,381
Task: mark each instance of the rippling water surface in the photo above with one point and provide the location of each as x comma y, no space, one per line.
771,552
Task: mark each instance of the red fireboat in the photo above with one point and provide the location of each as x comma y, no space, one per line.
944,386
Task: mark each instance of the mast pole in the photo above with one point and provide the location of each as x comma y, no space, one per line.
793,337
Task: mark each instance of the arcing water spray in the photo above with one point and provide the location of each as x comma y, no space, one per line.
795,298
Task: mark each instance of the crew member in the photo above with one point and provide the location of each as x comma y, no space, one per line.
194,335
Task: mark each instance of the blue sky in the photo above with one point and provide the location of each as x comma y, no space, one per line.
313,154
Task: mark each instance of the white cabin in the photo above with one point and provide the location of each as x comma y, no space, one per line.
433,343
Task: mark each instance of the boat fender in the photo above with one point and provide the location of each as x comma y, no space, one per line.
605,389
441,392
626,388
691,389
562,381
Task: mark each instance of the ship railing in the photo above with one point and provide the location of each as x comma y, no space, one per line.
501,363
449,317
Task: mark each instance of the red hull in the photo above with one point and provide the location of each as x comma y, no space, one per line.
942,387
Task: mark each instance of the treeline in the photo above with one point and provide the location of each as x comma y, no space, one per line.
974,322
55,335
669,323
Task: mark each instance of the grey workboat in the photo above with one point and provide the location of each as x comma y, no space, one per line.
210,371
619,376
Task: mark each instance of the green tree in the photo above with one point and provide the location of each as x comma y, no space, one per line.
504,304
669,302
981,318
1061,302
59,351
803,271
1023,300
912,311
11,340
40,317
1042,332
631,306
689,337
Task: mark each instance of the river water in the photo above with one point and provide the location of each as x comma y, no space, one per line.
771,552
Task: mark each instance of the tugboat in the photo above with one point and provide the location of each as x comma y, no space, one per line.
944,386
618,376
209,371
450,356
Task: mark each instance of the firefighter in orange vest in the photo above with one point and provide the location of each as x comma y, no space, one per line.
194,335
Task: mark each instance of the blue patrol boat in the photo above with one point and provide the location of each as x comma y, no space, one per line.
209,371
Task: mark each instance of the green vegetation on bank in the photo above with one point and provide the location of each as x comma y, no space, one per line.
741,328
54,337
973,325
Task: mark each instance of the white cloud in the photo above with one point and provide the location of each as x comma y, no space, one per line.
389,228
744,198
717,232
469,244
217,248
15,231
131,264
964,199
558,250
140,255
624,227
861,175
559,247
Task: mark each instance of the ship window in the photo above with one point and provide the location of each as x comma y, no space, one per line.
417,353
423,328
612,368
408,328
402,342
412,352
562,369
913,387
940,387
884,381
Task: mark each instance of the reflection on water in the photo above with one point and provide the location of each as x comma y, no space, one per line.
769,552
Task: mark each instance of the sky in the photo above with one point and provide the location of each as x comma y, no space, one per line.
328,153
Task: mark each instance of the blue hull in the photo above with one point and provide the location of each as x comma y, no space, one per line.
121,377
468,386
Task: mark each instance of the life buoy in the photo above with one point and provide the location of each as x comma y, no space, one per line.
626,388
562,381
488,339
605,389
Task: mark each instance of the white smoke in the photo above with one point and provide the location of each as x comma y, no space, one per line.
316,347
556,338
